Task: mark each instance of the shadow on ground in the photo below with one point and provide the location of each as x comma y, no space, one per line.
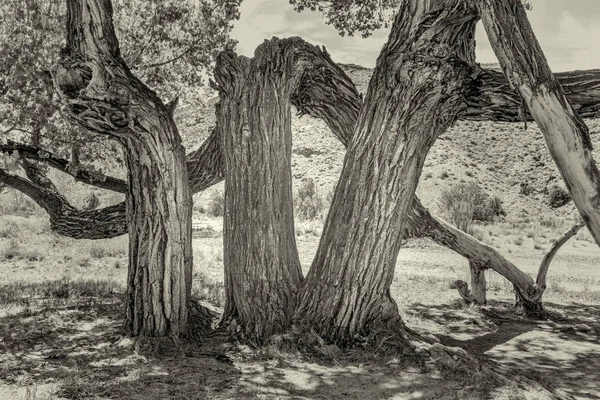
561,351
69,346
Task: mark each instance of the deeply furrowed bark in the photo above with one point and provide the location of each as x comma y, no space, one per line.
414,95
100,93
262,267
566,135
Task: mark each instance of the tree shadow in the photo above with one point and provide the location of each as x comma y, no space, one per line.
560,350
77,344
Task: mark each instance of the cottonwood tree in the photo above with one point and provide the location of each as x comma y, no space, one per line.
99,93
425,35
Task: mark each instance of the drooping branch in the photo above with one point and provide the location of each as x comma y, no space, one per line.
42,192
80,174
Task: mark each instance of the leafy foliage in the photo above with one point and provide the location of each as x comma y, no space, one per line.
350,16
169,44
309,203
364,16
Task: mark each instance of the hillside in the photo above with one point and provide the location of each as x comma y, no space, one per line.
500,156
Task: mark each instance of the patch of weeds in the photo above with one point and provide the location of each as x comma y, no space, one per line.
306,152
208,290
84,262
34,255
558,196
518,240
12,250
444,175
97,251
10,230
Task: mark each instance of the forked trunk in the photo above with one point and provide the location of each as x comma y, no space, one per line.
262,268
101,94
413,96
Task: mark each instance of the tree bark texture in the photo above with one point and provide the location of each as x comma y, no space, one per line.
262,267
478,284
414,95
490,96
100,93
566,134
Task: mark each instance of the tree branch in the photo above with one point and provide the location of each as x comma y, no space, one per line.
81,175
545,264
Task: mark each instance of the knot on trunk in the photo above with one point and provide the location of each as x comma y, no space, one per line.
71,76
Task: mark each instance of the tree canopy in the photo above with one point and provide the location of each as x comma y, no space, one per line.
170,45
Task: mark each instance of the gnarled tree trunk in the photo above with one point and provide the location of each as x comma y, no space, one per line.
414,95
101,94
262,268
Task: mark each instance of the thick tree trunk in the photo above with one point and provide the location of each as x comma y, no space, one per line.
101,94
413,96
262,268
565,132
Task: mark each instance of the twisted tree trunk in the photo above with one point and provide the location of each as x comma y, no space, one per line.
414,95
101,94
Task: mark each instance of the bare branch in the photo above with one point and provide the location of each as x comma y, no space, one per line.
545,264
81,175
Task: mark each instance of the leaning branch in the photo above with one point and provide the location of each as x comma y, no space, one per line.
527,70
545,264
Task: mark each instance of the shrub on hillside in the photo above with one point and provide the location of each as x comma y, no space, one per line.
308,202
558,196
467,202
216,206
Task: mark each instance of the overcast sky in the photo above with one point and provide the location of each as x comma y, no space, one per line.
568,30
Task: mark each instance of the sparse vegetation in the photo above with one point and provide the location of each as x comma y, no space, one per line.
217,204
309,204
465,203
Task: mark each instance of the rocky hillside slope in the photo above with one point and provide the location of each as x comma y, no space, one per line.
501,157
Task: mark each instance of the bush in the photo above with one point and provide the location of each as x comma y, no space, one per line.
216,206
526,189
558,196
308,202
467,202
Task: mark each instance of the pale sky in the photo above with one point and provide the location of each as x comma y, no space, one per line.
568,31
